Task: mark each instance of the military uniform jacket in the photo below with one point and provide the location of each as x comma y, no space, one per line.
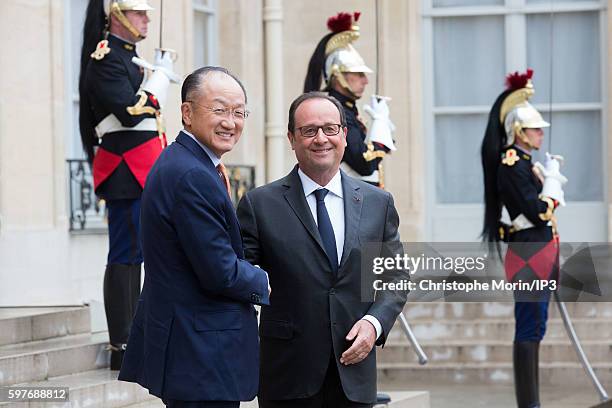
355,145
531,234
127,152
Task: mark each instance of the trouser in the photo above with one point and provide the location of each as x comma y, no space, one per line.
530,328
331,395
122,275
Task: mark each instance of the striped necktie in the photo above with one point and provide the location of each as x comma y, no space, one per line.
224,178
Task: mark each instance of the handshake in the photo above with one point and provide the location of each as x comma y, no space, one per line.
553,179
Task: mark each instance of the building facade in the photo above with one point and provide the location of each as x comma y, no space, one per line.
441,61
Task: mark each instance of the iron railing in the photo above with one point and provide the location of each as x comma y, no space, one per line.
88,213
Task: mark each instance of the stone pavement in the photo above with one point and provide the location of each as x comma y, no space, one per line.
499,396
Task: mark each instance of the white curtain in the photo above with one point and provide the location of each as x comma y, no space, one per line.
469,69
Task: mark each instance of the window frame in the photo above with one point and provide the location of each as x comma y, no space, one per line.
515,14
210,12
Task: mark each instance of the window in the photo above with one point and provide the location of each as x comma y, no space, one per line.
74,13
474,44
469,47
204,33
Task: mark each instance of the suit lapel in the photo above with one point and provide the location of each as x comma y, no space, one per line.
295,197
353,200
197,151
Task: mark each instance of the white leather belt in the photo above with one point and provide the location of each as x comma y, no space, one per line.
522,223
111,124
372,178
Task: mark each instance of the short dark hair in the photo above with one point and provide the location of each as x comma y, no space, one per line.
313,95
194,81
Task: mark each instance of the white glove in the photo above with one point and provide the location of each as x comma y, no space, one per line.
164,62
553,179
157,84
381,127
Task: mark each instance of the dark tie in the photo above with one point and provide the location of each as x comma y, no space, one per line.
325,229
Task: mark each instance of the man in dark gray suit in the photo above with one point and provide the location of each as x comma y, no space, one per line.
306,230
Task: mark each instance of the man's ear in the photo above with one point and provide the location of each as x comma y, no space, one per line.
345,133
186,113
291,138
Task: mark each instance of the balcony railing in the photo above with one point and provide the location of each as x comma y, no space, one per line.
88,213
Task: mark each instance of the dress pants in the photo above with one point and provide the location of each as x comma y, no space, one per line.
331,395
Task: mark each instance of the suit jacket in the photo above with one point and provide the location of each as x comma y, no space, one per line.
310,311
194,336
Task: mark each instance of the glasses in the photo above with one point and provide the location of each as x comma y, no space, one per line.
237,113
330,129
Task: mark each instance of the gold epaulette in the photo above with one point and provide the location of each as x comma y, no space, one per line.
140,107
101,50
510,157
372,154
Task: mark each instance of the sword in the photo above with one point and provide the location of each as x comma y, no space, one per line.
161,23
584,361
412,339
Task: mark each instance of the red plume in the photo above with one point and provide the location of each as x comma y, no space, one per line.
340,22
518,81
356,15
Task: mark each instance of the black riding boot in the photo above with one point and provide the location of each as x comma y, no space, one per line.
526,375
121,292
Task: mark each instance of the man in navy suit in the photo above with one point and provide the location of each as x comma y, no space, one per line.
194,341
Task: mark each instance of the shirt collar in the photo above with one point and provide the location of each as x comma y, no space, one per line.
309,185
213,157
121,38
520,149
343,99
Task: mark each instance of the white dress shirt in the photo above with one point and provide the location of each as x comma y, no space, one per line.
334,203
213,157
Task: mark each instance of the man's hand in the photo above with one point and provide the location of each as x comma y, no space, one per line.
364,335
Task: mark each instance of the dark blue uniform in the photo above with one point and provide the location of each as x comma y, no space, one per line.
355,146
128,131
519,189
126,152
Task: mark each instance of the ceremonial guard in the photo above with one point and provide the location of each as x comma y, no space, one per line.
122,133
337,65
530,193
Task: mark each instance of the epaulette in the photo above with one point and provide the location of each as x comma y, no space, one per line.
510,157
101,50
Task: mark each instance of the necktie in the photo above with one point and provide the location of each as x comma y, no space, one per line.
224,178
326,230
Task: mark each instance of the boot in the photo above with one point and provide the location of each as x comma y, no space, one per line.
526,376
121,292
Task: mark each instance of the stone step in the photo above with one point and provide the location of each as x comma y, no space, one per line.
399,399
39,360
496,310
551,373
24,324
493,351
498,329
91,389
